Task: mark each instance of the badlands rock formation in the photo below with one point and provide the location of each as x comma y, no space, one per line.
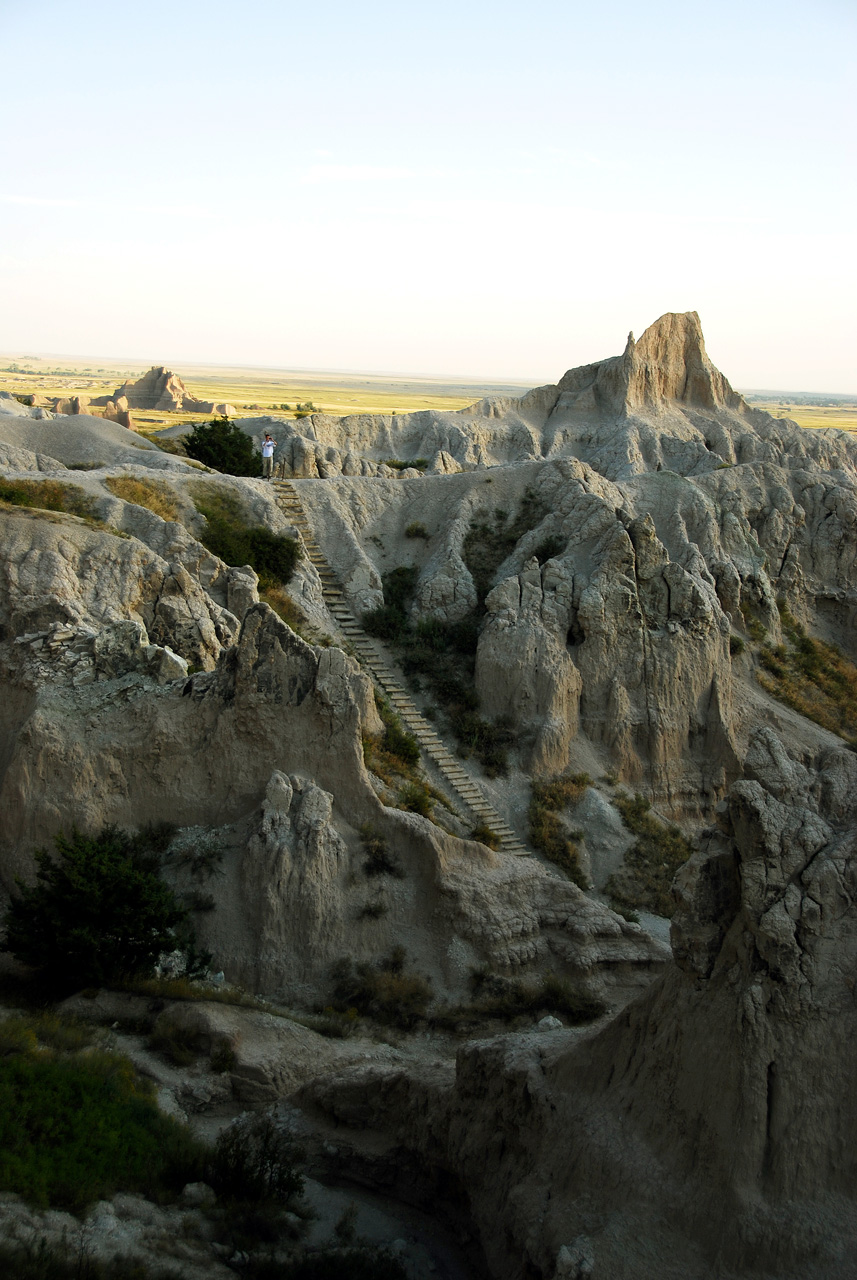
660,527
161,389
711,1127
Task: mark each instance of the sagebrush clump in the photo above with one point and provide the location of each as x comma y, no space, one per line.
383,991
652,862
548,831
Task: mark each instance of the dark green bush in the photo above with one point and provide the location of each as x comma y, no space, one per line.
225,447
37,1260
257,1161
416,798
98,911
548,549
402,464
396,740
491,538
272,555
485,835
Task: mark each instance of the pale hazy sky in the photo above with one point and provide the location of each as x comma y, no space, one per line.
502,189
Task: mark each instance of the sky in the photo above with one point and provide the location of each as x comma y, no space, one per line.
496,190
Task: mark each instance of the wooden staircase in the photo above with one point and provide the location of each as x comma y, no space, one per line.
373,657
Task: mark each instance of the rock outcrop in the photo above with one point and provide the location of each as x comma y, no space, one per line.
160,389
683,1137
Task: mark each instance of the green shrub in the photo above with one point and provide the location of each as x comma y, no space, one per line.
548,549
178,1044
490,539
98,911
272,555
402,464
485,835
651,864
396,741
225,447
736,645
77,1130
373,910
361,1261
417,530
37,1260
383,991
416,798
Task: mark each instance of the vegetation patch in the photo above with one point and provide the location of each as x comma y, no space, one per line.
444,655
519,999
49,495
485,835
227,535
812,677
417,530
383,991
402,464
548,549
285,609
379,860
225,447
491,538
651,864
37,1260
548,832
75,1129
394,757
98,911
154,495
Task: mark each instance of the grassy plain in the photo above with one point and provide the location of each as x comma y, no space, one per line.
249,390
842,414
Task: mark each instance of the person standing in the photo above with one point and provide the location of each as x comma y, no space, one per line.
267,457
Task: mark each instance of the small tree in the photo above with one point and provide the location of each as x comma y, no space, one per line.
224,446
97,912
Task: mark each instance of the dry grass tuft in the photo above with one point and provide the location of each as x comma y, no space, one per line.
813,678
154,495
49,495
548,832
